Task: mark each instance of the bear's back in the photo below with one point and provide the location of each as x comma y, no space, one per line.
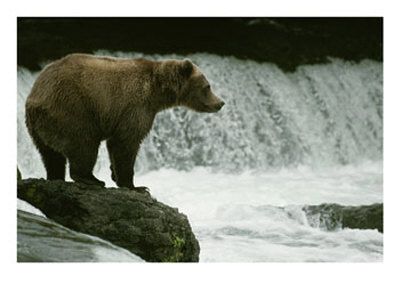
93,75
100,63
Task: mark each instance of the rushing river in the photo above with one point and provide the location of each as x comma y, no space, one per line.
242,176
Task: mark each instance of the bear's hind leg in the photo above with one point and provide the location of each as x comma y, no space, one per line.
54,162
82,161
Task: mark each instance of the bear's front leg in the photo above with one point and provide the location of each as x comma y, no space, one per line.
122,157
82,158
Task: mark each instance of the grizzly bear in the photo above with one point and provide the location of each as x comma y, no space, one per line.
80,100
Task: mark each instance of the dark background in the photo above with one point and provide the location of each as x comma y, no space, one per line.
287,42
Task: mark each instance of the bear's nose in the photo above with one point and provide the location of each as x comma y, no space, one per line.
217,106
221,104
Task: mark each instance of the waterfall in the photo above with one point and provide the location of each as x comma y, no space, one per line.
300,139
319,115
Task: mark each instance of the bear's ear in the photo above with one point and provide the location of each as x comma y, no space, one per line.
186,67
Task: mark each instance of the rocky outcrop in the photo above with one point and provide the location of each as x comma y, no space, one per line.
131,220
40,239
334,216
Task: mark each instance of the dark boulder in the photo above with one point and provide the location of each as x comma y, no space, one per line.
40,239
334,216
134,221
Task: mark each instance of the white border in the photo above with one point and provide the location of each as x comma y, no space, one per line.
198,8
204,280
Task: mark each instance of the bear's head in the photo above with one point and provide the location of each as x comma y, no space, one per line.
196,91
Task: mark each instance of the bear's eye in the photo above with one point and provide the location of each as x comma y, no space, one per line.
207,87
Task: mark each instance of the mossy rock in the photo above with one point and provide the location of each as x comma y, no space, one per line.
131,220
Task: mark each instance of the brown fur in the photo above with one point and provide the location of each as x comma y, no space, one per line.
80,100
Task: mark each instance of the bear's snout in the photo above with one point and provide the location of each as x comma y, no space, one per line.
219,105
214,106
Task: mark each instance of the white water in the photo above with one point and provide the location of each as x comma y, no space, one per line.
259,217
281,141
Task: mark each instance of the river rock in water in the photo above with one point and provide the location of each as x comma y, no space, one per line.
334,216
134,221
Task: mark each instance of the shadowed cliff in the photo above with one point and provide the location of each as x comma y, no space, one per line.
288,42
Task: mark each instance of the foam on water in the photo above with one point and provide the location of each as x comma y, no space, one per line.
283,140
259,217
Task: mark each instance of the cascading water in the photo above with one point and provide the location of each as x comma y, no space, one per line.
319,115
282,140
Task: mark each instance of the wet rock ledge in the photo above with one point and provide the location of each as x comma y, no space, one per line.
134,221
